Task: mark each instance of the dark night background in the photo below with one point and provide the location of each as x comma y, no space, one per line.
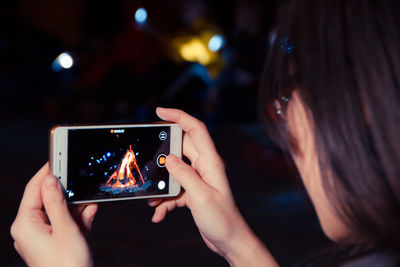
121,71
91,146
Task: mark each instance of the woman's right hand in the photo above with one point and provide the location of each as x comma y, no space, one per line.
46,231
208,195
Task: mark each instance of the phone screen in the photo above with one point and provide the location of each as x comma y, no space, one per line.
117,162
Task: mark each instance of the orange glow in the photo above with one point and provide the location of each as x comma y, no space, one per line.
123,177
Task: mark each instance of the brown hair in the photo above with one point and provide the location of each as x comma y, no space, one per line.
346,58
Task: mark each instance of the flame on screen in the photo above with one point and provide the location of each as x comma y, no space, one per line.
123,177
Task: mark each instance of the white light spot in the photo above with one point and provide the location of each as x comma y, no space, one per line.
141,16
161,185
65,60
216,43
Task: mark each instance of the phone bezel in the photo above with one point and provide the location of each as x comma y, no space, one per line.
59,155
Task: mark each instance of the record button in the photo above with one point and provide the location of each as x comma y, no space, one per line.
161,160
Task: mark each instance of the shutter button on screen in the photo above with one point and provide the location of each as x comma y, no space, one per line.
161,160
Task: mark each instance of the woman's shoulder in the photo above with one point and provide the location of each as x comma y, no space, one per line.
386,257
380,258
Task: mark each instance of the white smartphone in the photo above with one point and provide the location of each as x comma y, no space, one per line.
114,162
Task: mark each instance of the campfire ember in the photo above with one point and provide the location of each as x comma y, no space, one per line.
123,177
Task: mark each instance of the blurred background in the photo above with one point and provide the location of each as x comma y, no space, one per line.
87,61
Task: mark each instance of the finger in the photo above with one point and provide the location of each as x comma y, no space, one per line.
188,149
32,198
87,217
55,204
197,130
154,202
207,162
19,250
162,210
16,246
76,211
186,176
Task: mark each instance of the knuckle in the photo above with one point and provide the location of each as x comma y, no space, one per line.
171,206
181,170
221,166
202,126
14,230
219,162
176,164
28,187
58,200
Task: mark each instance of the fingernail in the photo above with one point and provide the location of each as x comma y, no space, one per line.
51,182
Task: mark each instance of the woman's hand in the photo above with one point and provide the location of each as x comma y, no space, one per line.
208,195
45,231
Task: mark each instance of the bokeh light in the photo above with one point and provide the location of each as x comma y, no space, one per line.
66,60
141,16
63,61
195,51
216,43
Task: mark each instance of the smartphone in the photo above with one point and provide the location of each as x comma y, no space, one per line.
96,163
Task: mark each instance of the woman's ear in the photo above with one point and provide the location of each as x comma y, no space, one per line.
300,130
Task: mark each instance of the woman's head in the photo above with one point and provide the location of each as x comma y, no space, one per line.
343,78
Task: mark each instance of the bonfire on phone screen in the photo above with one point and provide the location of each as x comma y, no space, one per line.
117,163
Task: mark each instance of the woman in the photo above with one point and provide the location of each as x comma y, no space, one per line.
330,95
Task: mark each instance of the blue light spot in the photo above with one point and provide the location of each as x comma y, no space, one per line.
286,44
70,193
98,161
108,154
141,16
216,43
137,154
56,66
91,158
90,164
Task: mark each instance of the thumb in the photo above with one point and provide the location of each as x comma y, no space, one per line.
186,176
55,204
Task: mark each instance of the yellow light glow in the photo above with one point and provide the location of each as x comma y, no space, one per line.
195,51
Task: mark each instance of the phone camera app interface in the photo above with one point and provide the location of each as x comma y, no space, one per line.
116,163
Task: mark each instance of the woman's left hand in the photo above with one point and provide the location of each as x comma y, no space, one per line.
46,232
